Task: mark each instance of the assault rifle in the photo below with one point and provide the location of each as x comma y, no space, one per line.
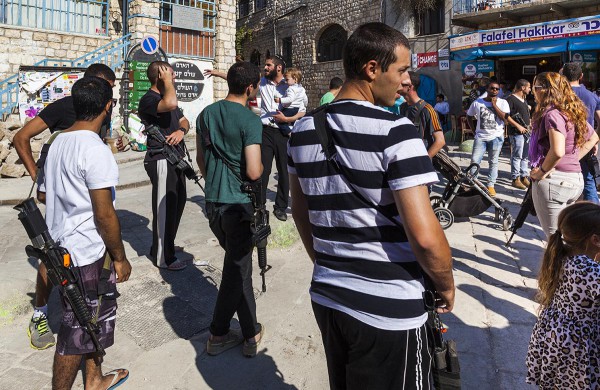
58,262
174,154
259,226
526,208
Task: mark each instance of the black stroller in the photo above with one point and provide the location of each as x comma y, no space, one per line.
464,195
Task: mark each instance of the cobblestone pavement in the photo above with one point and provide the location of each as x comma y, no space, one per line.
163,316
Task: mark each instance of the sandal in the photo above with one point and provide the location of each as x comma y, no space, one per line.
115,374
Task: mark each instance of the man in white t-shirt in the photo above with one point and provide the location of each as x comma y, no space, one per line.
490,112
77,185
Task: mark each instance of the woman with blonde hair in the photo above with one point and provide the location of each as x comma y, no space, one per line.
564,349
561,136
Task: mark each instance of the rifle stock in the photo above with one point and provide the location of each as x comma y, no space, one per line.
526,207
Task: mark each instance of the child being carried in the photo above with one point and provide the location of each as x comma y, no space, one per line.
294,100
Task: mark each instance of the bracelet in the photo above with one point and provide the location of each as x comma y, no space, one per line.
542,169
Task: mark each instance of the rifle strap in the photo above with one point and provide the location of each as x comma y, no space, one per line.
42,161
325,138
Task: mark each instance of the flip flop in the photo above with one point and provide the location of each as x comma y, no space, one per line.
115,374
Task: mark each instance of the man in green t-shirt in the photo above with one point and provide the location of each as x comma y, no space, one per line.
335,85
229,139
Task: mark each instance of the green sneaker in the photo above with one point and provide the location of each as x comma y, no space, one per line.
39,333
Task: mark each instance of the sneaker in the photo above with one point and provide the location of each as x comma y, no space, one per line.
177,265
251,348
492,191
231,340
525,181
39,333
280,214
518,184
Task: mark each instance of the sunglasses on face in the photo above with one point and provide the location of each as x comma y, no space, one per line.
494,88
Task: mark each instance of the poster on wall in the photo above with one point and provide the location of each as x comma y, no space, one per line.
40,86
473,72
194,91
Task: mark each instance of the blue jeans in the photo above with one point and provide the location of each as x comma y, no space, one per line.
519,156
493,148
589,183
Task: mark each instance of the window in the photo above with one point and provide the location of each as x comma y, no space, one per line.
255,58
286,51
260,4
432,20
244,8
331,43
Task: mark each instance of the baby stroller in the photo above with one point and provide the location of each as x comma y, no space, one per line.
464,195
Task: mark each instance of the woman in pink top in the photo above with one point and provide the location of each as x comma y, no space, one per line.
560,137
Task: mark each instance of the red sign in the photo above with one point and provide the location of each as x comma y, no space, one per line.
421,60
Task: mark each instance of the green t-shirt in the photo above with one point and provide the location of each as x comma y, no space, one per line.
230,127
327,98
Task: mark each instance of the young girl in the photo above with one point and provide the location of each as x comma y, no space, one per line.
564,349
295,98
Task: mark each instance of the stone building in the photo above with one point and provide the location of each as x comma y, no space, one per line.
309,34
65,34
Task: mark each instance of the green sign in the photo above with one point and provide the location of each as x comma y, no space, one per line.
142,85
139,65
134,105
140,75
135,96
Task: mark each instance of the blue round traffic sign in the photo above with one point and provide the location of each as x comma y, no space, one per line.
149,45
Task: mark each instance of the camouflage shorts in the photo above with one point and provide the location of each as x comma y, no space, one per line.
72,338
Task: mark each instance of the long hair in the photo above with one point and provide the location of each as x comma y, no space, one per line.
559,94
576,224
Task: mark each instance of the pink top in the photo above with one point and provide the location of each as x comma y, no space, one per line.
554,119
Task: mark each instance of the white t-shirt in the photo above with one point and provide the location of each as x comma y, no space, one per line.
489,124
78,161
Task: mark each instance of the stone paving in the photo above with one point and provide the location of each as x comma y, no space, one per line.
163,316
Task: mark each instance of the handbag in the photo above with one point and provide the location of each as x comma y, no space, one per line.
446,368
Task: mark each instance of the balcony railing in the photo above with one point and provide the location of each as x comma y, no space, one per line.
476,6
72,16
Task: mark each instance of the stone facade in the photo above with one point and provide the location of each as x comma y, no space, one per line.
303,22
225,45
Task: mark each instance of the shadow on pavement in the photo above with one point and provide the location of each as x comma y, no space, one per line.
189,312
135,231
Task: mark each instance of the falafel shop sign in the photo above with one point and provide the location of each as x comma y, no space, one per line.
536,32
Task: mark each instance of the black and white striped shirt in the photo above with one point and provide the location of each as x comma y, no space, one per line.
364,265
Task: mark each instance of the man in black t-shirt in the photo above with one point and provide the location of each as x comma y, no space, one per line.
518,133
57,116
159,107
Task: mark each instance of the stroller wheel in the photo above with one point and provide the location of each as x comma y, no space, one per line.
507,220
444,216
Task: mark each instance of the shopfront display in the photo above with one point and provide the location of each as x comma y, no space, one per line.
521,52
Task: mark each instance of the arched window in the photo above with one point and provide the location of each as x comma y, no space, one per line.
331,43
255,57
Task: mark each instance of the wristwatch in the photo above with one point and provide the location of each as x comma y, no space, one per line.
183,129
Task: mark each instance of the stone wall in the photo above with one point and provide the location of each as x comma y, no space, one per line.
304,24
225,43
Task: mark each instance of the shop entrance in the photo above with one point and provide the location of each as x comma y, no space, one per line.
515,68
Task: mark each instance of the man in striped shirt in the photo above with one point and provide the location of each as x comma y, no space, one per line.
370,252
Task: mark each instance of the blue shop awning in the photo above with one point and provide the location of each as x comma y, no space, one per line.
588,42
513,49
